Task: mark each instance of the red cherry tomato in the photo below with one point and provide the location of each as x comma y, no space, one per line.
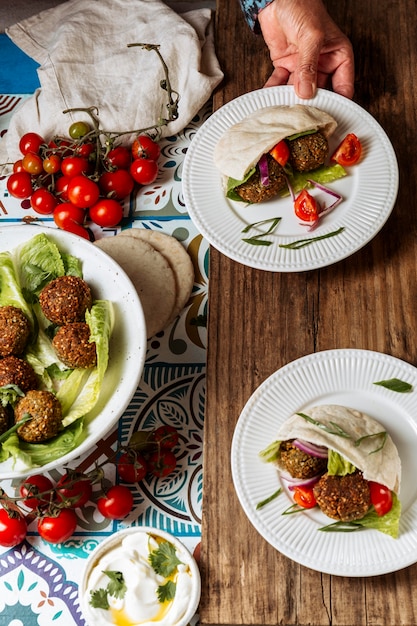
30,142
19,185
144,171
166,436
74,166
52,164
43,201
304,497
117,502
144,147
32,487
13,528
18,166
162,463
117,185
306,207
32,163
61,187
381,498
281,152
58,528
106,212
66,213
131,468
84,150
119,157
348,152
74,491
82,191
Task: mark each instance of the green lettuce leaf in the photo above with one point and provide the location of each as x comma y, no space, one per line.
10,290
337,465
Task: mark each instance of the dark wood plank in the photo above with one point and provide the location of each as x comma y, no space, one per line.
259,321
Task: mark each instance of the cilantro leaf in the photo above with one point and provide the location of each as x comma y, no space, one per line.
99,600
116,586
164,560
166,592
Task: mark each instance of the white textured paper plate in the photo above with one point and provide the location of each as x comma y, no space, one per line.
369,190
344,377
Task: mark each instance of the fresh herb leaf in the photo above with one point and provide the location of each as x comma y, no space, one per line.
164,560
117,586
382,434
253,241
99,599
294,508
342,527
166,592
300,243
334,430
256,239
395,384
269,499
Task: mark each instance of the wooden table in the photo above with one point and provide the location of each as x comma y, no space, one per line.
259,321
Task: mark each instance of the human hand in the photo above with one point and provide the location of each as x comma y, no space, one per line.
307,48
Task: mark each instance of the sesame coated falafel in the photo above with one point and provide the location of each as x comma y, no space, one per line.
65,299
73,346
345,498
46,412
308,152
14,330
17,371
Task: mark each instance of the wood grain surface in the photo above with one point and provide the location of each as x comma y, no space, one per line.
259,321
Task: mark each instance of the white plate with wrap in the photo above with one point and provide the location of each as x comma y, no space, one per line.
344,377
369,190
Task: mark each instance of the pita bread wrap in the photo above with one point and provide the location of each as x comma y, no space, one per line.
352,442
243,144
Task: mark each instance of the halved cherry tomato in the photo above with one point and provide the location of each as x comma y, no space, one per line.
281,152
348,152
304,497
381,498
306,207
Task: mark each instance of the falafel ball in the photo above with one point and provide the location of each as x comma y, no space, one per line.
45,410
14,330
253,190
65,299
345,498
308,152
17,371
73,346
298,463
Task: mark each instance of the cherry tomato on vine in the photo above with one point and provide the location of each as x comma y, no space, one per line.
381,498
166,436
106,212
74,166
144,171
34,485
117,502
75,494
58,528
117,185
119,157
85,150
32,163
18,166
61,187
162,463
30,142
43,201
13,528
78,129
144,147
52,164
304,497
348,152
66,214
19,185
82,191
306,207
131,468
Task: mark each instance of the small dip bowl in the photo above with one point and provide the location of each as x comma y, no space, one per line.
140,575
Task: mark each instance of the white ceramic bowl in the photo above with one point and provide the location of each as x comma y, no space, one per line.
109,548
127,345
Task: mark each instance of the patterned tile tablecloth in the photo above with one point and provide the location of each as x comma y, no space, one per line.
39,581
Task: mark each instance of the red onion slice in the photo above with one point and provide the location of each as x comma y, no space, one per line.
264,171
310,448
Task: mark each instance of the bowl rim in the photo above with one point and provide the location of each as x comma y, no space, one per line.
109,542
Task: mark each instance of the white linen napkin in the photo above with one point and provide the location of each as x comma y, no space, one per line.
81,46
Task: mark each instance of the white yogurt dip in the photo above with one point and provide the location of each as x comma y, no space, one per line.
132,592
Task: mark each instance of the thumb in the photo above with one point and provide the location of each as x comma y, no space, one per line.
305,78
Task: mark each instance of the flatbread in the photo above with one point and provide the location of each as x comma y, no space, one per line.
382,467
177,257
242,145
151,275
